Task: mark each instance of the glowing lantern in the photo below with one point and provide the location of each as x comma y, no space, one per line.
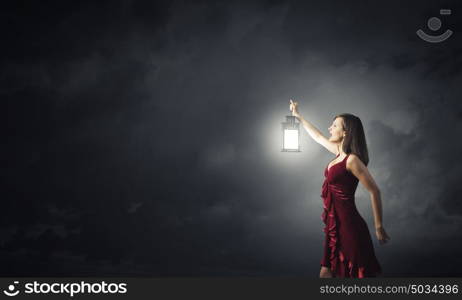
290,135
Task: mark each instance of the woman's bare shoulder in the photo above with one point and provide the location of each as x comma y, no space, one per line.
353,161
352,157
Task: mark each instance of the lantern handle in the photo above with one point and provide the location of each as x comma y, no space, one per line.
290,120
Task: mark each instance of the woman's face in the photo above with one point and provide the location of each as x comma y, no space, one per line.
336,130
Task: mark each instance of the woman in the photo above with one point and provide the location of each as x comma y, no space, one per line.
348,248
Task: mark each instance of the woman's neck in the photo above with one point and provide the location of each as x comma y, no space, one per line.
339,148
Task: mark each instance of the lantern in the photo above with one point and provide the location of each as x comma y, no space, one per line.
290,135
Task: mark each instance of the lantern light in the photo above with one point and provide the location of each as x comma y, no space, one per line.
290,135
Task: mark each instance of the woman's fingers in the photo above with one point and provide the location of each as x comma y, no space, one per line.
293,103
383,237
293,106
386,236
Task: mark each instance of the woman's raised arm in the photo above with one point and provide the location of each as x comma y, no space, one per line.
312,130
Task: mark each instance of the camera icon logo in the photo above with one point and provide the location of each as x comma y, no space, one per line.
434,24
11,290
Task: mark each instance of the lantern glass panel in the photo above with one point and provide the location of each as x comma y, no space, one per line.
291,139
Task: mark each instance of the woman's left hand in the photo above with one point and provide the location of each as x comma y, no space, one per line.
293,107
382,235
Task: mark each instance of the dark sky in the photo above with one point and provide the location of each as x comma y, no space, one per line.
143,138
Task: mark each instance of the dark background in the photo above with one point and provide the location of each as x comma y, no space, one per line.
143,138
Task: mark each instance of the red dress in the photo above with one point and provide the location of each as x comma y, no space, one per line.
348,248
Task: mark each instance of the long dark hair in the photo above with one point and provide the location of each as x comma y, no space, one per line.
354,140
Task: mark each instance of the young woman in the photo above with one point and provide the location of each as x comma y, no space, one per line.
348,248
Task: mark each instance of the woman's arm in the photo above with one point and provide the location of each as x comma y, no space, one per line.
312,130
377,208
357,167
